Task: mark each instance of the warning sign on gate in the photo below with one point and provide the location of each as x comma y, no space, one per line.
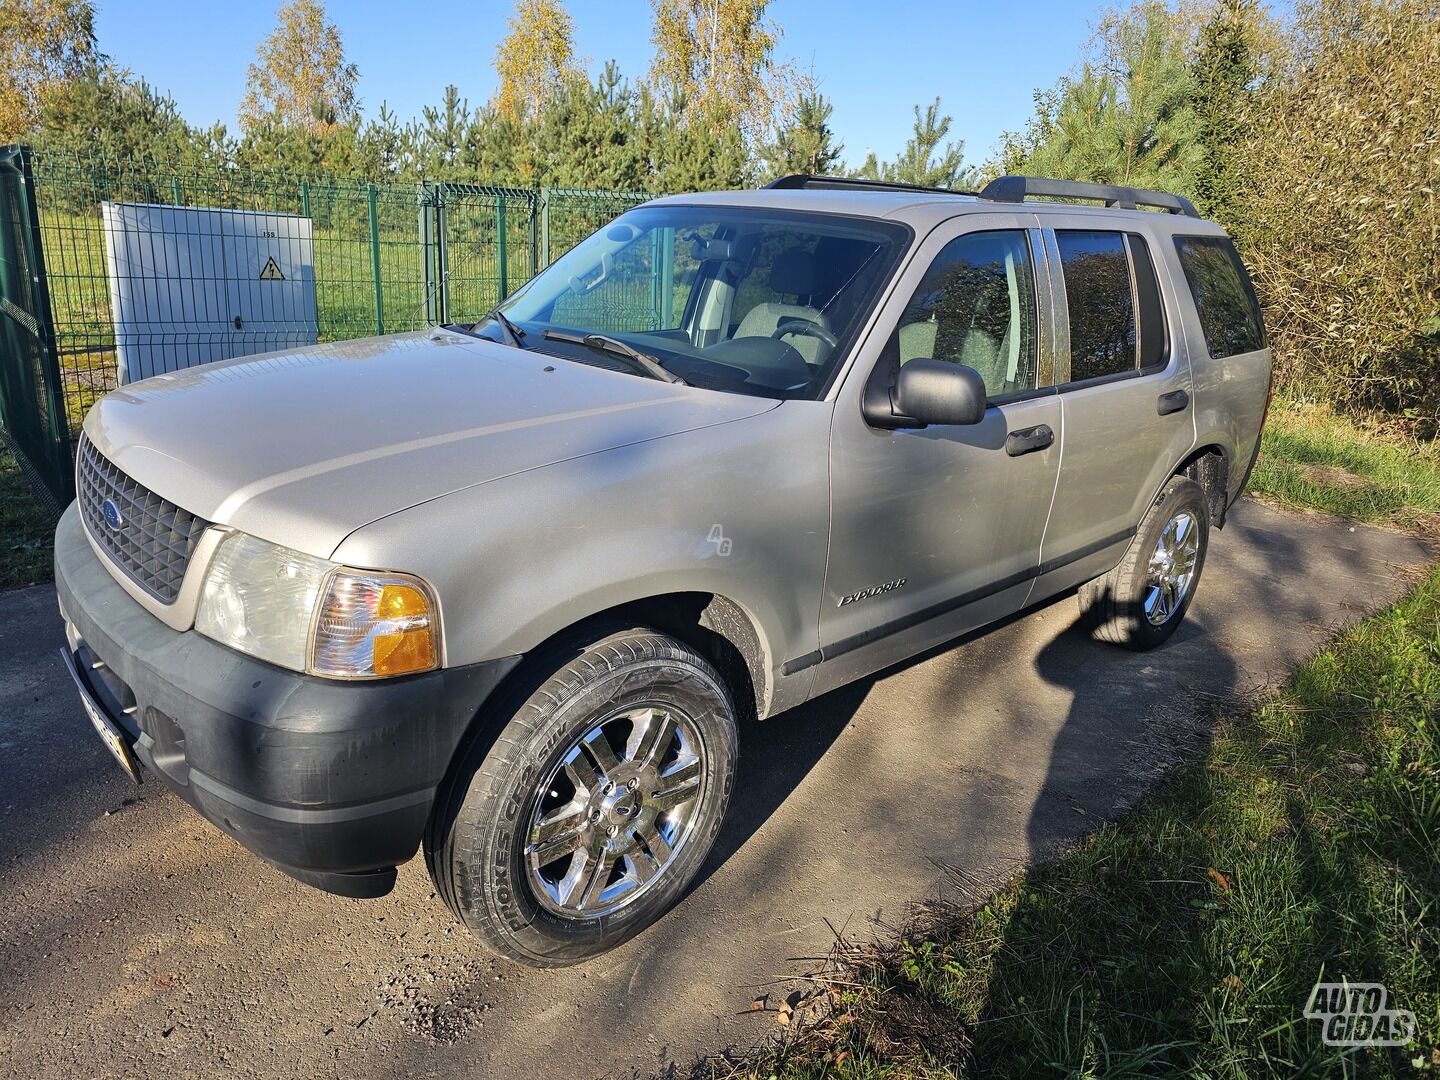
271,271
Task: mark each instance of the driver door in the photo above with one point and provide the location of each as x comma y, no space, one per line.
937,530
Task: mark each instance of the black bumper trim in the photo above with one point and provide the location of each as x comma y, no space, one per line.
332,782
310,815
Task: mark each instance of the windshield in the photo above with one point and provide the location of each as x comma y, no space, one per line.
749,301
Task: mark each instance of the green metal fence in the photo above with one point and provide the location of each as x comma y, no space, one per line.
32,413
386,257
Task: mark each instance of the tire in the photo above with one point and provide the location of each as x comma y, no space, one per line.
479,847
1122,607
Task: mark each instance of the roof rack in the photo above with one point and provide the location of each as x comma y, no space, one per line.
797,181
1016,189
1010,189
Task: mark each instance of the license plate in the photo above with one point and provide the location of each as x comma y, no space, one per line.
109,733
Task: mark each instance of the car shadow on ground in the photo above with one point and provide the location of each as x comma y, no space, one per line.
777,754
1103,763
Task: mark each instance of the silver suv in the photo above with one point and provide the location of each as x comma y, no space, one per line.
504,591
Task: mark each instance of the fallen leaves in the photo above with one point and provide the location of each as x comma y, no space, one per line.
784,1010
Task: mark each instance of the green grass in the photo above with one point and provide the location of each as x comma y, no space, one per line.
26,530
1186,939
1312,459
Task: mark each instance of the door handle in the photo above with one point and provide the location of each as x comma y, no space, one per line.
1028,440
1175,401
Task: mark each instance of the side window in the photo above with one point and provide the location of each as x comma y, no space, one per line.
1154,341
1224,298
976,306
1101,301
1117,320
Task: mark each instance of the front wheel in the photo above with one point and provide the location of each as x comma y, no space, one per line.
1141,602
595,806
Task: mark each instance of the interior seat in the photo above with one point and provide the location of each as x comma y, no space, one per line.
793,273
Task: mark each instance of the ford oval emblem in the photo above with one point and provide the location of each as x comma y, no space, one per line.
111,513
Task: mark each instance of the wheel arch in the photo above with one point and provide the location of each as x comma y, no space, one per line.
1209,466
715,626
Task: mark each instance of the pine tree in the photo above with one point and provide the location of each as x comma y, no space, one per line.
804,143
924,161
106,112
441,137
385,146
1126,115
690,147
1224,71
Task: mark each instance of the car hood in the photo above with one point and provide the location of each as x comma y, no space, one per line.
303,447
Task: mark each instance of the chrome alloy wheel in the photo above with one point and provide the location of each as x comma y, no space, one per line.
611,816
1172,567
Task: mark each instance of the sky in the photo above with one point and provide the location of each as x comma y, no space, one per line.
874,61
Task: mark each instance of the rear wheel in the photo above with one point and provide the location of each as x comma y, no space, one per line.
595,806
1141,602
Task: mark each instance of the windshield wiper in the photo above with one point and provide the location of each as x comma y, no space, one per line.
642,360
508,330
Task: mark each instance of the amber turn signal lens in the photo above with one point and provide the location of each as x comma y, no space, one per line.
398,654
411,649
401,601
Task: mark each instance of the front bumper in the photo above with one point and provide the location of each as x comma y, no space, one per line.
332,782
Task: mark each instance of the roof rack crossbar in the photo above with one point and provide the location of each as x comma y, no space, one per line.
1016,189
797,181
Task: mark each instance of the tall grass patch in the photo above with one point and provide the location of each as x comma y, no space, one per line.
1313,458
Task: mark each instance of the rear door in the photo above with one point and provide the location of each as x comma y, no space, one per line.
1125,390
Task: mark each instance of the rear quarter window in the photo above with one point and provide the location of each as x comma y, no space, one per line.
1224,298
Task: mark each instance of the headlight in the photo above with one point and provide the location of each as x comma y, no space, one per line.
259,598
309,614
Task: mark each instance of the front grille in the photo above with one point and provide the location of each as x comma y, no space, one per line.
155,538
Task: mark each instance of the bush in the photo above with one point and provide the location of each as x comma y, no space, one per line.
1338,167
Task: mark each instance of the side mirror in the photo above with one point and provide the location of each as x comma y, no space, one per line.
933,392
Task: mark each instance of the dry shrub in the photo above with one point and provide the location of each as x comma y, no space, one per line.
1339,169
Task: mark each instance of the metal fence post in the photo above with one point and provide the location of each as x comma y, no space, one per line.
32,396
502,253
427,253
544,229
442,244
375,260
305,197
177,199
532,199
